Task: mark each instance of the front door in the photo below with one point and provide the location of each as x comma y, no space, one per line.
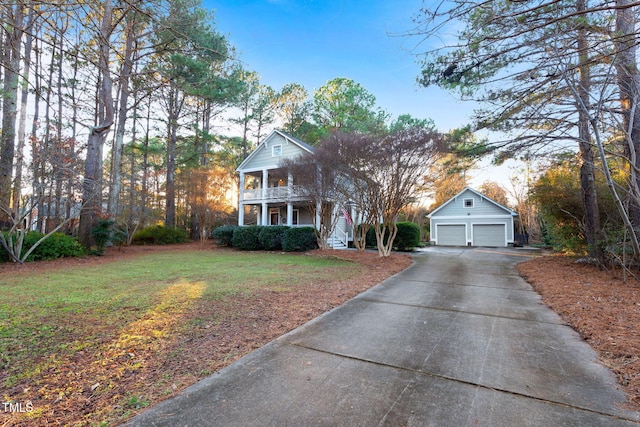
274,216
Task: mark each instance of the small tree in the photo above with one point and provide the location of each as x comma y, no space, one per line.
350,186
377,175
398,173
319,180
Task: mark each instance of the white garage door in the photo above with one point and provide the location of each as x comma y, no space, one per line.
489,235
451,235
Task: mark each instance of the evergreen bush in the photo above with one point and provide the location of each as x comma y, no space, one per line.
160,235
224,235
271,238
299,239
55,246
371,237
101,234
408,236
245,238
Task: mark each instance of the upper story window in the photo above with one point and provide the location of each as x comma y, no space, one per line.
468,203
276,150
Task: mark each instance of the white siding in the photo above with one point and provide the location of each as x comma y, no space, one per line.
262,157
481,206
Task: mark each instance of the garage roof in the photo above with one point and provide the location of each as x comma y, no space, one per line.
451,200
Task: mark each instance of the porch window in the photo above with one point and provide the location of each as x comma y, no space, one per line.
294,220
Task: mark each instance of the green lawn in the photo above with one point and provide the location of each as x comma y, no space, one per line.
48,317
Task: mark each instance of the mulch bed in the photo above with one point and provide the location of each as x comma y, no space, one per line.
600,305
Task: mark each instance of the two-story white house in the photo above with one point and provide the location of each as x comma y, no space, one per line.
271,193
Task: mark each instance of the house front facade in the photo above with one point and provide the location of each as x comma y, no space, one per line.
472,219
269,194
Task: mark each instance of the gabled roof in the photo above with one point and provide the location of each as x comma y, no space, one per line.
476,192
265,142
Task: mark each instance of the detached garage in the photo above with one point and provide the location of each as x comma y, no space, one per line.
471,219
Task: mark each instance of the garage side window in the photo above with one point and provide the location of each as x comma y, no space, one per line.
468,203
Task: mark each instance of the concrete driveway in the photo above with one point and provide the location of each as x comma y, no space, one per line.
458,339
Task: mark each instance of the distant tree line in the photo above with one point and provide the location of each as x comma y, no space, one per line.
553,77
118,110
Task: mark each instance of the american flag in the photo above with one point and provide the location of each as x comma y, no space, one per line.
347,217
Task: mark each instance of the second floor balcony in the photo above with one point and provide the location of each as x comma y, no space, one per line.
285,193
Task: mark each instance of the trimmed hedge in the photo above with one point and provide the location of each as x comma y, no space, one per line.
371,238
57,245
299,239
246,238
270,237
408,236
160,235
224,235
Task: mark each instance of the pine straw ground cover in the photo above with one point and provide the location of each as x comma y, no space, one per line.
96,353
103,367
602,307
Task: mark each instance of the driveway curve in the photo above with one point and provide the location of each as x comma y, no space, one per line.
457,339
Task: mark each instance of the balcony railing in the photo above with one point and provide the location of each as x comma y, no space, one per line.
274,193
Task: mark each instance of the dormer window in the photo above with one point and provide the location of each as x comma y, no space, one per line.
468,203
276,150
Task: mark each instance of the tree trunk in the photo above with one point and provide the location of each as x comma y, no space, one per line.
59,146
72,146
11,67
116,161
22,123
593,230
628,78
97,135
145,169
38,192
175,106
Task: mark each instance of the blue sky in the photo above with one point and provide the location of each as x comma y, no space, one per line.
313,41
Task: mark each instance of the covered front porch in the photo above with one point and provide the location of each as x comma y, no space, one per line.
275,213
295,215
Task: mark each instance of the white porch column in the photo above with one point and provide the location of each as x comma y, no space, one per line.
241,200
265,214
318,208
289,214
290,196
242,184
241,214
265,183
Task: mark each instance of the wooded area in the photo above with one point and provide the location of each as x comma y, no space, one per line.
554,78
112,110
115,110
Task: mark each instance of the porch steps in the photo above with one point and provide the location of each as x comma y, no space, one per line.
336,243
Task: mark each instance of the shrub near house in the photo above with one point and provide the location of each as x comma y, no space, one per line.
270,238
407,238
